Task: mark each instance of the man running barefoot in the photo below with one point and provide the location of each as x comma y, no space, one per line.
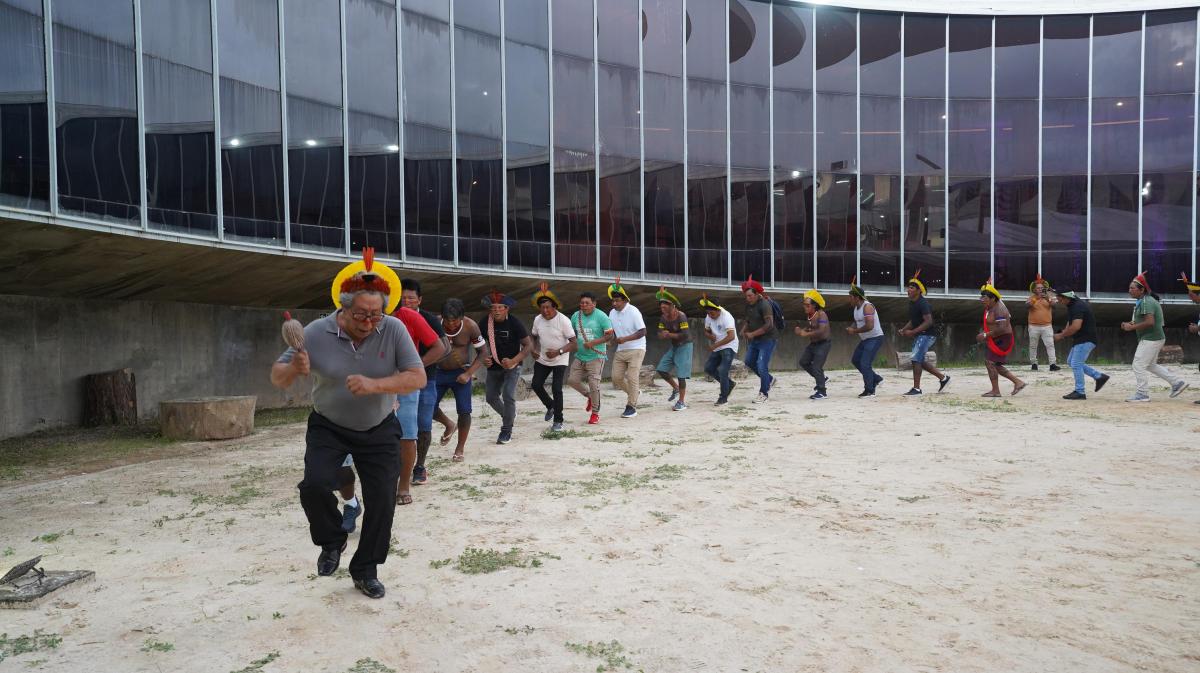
812,360
592,329
924,331
1081,327
998,339
456,372
673,328
721,331
552,333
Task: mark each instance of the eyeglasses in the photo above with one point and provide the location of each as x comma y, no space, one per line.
366,317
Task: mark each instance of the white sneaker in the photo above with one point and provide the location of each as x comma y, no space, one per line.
1138,397
762,397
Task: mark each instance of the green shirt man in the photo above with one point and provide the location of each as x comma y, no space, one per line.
1148,305
590,328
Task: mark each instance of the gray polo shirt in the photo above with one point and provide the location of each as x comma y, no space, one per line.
333,357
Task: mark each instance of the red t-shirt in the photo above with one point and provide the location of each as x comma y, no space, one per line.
422,335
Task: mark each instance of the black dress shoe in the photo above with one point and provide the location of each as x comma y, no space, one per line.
372,588
327,562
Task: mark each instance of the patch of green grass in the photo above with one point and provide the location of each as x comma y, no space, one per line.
611,654
814,417
397,551
998,406
615,439
827,498
489,470
564,434
9,551
523,630
912,498
634,454
595,462
244,582
244,488
668,442
277,615
152,645
749,428
440,564
269,418
19,456
468,492
369,665
662,516
12,647
475,561
256,666
165,492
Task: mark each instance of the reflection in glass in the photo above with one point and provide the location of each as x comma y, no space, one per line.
95,91
429,190
880,194
481,180
750,138
1116,75
1016,145
375,182
1064,166
527,75
620,145
792,61
663,90
706,100
925,149
970,199
24,144
574,137
837,150
251,132
181,192
1167,182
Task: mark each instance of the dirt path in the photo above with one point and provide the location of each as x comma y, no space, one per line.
948,533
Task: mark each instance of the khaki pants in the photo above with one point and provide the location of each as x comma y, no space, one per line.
626,372
1145,362
1044,334
590,370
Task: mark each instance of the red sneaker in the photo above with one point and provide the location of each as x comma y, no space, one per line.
594,420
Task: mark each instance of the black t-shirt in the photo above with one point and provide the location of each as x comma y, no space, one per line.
436,326
916,315
508,338
1079,310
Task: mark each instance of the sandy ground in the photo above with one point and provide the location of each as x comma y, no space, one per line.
947,533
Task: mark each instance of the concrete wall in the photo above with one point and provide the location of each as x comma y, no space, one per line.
47,346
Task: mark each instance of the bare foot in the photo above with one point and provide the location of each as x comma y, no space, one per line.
1018,387
992,393
458,456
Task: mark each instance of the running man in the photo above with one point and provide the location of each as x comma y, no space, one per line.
924,331
1081,327
408,407
998,339
1193,294
592,330
762,336
552,333
456,372
507,345
629,335
812,360
1041,317
673,328
430,357
870,334
1147,321
721,331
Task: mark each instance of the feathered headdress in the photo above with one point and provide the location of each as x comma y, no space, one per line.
988,288
816,298
1140,279
915,281
708,304
1192,287
497,297
855,290
751,284
366,276
1037,280
617,289
663,295
544,293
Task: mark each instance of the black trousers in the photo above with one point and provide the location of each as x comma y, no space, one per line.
812,360
555,403
376,455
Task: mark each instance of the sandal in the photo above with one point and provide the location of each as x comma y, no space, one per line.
403,499
457,458
991,394
448,434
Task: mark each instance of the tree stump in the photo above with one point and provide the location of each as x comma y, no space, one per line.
110,398
207,417
1171,355
904,359
648,376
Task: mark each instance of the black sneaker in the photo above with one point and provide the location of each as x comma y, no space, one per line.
1033,367
1101,381
505,436
549,415
330,558
419,476
1054,368
878,379
673,395
629,412
721,401
1074,396
817,396
943,383
913,392
372,588
867,393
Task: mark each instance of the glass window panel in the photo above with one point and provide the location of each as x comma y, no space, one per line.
375,182
574,137
837,148
95,75
792,61
1016,144
316,170
750,137
707,142
24,139
251,131
429,191
1116,52
663,90
880,194
925,149
527,63
181,190
481,180
969,199
620,150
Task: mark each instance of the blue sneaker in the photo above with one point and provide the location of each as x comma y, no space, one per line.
419,476
350,516
673,395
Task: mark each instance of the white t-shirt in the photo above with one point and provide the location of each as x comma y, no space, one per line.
554,333
625,323
720,327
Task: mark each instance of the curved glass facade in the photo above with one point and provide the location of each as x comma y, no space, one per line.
684,141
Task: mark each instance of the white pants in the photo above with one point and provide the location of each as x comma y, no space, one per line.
1145,360
1046,334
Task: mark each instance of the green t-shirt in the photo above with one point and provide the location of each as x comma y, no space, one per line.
1148,305
589,328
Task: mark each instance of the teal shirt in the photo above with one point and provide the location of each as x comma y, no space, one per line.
1145,306
589,328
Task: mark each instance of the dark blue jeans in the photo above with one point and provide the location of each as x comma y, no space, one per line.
758,360
864,357
718,367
